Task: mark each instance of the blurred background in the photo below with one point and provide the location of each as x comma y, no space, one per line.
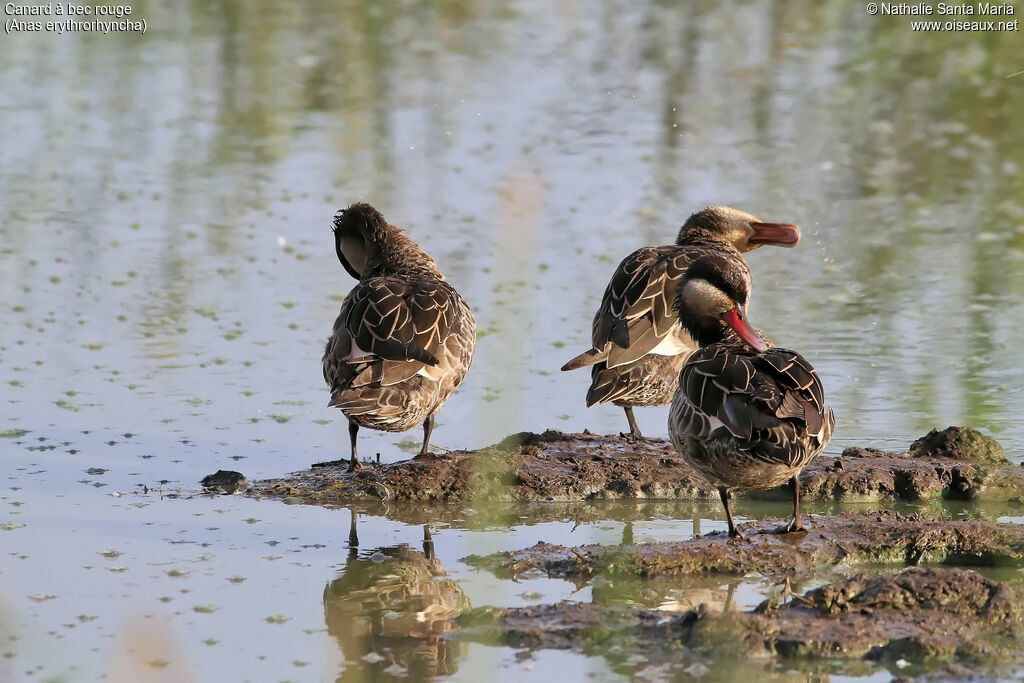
167,274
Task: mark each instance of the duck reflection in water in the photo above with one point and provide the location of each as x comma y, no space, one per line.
390,610
670,594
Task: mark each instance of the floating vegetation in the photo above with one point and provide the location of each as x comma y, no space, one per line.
281,418
409,444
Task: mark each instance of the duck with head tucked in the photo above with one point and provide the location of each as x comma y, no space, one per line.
404,339
746,415
638,344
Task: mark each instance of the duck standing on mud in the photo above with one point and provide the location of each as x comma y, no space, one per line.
404,339
639,345
746,415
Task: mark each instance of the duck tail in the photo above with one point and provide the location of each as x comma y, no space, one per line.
584,359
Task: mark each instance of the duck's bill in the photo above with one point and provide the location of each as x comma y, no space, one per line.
778,234
737,320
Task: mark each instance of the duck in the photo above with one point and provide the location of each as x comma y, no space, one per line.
639,347
746,414
398,601
404,338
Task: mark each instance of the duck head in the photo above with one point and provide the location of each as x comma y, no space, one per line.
738,228
712,302
367,245
357,231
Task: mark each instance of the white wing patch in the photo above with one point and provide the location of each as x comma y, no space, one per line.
677,341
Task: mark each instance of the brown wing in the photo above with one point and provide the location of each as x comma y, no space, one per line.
639,288
636,312
388,330
772,403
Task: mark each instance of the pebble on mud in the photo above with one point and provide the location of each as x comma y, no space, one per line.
225,481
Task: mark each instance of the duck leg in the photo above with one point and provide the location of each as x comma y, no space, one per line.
730,602
428,427
726,501
353,537
634,431
794,524
428,542
353,463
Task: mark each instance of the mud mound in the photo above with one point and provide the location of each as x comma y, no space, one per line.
883,537
957,463
924,616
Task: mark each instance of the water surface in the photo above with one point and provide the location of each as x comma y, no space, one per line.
167,279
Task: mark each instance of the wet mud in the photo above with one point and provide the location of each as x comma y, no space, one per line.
923,617
957,463
886,537
660,608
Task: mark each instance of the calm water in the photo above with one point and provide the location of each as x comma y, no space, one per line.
167,278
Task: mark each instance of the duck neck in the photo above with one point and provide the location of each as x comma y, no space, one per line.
696,235
395,253
705,331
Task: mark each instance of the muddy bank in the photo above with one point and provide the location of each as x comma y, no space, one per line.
921,616
957,463
882,537
701,515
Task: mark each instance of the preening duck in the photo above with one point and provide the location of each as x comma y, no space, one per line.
638,344
404,339
746,415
